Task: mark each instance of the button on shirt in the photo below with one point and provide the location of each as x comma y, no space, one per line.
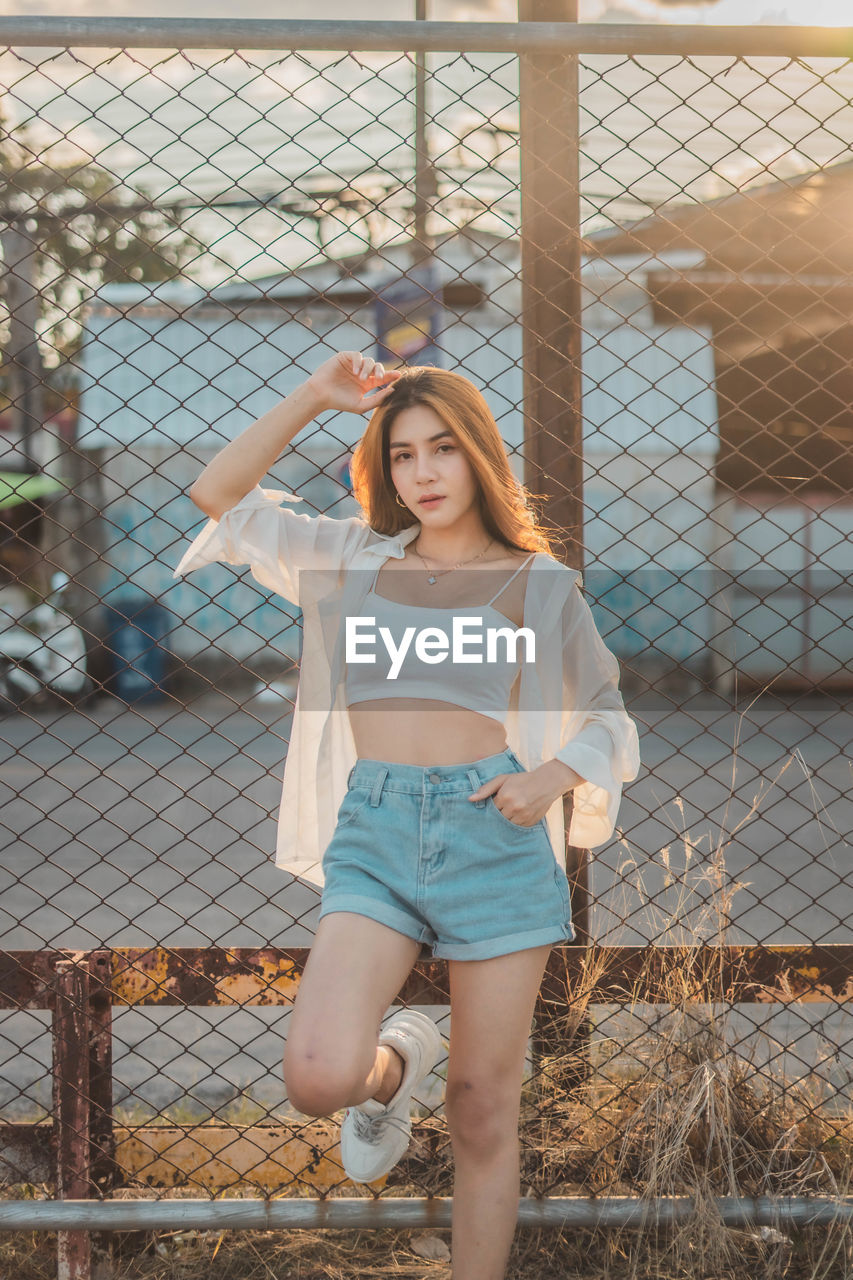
565,704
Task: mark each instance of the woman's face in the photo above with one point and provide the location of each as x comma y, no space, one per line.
421,465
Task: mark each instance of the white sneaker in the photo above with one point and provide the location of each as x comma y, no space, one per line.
374,1135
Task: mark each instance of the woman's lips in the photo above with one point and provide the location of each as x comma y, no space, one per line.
431,502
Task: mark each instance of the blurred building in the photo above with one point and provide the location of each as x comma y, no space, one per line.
767,274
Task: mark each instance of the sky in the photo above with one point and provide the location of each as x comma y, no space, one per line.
276,129
716,12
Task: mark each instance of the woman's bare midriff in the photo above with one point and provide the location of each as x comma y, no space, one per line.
425,731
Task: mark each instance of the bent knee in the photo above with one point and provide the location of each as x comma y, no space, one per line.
316,1087
481,1116
316,1093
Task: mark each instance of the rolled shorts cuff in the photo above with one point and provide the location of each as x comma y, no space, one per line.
381,912
484,949
489,948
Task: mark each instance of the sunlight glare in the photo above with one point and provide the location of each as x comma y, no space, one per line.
820,13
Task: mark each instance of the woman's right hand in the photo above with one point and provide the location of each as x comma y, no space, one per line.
352,381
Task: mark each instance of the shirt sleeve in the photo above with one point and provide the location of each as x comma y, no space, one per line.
598,738
273,541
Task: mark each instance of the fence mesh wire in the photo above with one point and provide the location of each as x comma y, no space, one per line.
186,236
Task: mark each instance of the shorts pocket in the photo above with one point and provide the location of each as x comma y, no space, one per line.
351,805
513,826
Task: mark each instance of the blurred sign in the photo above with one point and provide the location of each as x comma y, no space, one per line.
409,319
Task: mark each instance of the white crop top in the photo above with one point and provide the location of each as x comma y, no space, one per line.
483,686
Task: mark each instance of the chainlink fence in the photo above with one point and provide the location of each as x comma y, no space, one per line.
643,259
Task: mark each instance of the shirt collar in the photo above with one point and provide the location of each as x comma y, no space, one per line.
393,544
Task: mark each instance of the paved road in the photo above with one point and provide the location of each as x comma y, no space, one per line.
129,828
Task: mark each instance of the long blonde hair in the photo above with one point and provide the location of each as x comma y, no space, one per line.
505,505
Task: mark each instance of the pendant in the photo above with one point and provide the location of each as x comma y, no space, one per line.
430,581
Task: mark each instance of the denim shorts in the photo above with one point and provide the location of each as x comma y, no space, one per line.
411,851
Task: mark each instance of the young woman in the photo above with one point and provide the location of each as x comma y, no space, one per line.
446,835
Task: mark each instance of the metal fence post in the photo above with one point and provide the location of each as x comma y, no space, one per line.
72,1108
104,1170
551,316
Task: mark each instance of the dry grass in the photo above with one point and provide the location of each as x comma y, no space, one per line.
682,1109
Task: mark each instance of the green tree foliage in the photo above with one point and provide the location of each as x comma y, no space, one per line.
87,228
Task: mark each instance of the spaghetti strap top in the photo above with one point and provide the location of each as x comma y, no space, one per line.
488,654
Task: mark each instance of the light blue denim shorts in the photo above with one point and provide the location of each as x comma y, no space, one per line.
411,851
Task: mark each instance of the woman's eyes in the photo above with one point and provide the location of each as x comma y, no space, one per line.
398,456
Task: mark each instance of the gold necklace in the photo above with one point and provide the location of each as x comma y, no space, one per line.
437,573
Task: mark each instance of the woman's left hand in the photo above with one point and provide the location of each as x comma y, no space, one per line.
524,798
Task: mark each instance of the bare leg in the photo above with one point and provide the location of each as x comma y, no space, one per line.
492,1004
332,1058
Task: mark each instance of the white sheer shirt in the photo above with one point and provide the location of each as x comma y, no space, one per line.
565,704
